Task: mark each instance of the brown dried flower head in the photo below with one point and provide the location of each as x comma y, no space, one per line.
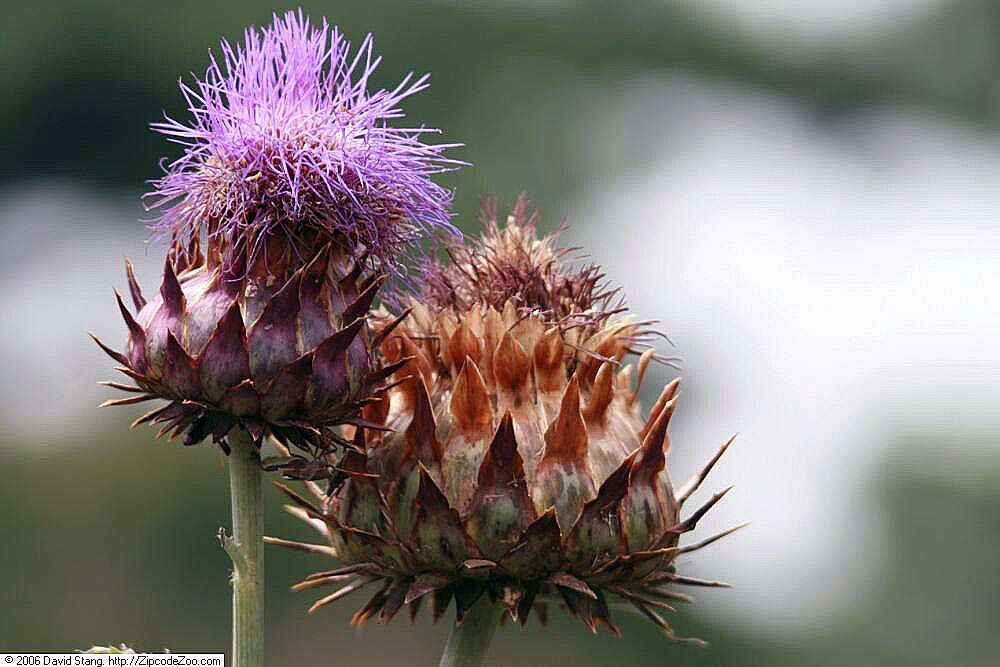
509,263
513,459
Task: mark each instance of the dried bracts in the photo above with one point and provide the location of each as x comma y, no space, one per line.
518,464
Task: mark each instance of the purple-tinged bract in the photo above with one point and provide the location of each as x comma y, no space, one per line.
286,141
288,355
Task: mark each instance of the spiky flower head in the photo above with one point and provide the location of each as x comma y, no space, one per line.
290,203
514,461
286,140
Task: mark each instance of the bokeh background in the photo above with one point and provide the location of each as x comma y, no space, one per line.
803,191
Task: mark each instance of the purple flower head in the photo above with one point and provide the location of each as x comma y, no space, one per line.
286,143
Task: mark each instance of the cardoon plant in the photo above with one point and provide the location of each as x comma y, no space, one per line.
291,201
512,466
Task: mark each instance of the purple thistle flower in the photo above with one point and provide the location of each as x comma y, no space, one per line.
286,142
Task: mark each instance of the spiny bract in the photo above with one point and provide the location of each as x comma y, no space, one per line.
513,461
283,352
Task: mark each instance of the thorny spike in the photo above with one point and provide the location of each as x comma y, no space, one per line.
613,489
333,597
644,360
316,582
656,432
350,569
382,374
117,356
138,377
298,499
692,485
692,581
384,332
652,458
654,592
119,386
133,326
170,290
704,543
405,348
133,286
601,393
689,524
342,339
153,415
667,630
665,397
128,401
629,595
302,546
363,303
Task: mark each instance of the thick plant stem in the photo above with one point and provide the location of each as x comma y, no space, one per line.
245,547
468,643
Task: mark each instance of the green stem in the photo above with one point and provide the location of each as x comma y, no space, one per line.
468,642
245,548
